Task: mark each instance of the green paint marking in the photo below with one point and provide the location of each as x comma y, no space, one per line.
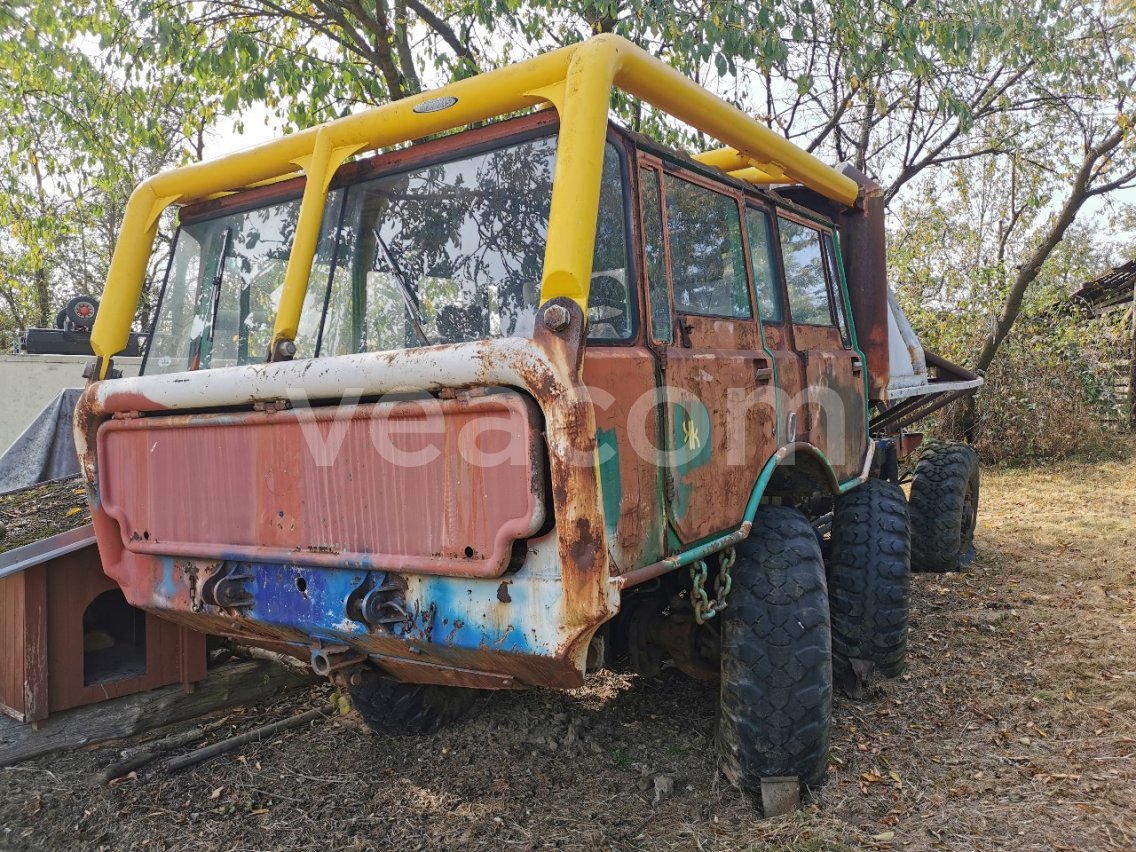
610,484
690,445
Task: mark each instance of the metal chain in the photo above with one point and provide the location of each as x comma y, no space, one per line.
704,607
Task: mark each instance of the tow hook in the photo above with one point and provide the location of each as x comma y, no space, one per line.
338,663
226,588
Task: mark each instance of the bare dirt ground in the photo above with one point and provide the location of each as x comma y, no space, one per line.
1015,727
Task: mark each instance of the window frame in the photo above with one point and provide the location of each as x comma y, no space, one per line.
820,230
770,213
653,165
668,169
838,301
408,164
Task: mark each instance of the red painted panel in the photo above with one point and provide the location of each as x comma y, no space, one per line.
434,486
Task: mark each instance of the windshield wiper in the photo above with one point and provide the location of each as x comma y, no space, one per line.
218,275
201,354
412,307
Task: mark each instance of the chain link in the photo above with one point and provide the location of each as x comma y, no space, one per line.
704,607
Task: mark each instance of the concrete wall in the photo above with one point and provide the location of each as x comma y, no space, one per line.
29,382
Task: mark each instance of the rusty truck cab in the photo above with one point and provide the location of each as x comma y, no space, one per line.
439,410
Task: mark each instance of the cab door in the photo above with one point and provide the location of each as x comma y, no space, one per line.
777,332
833,401
716,389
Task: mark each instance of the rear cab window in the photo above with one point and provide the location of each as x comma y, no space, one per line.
805,277
442,252
813,278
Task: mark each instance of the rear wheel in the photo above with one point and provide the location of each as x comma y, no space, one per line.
391,707
776,690
869,581
944,507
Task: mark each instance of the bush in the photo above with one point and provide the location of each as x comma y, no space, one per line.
1054,390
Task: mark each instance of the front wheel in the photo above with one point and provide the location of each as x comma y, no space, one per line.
775,713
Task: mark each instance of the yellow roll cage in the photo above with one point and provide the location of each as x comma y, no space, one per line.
576,80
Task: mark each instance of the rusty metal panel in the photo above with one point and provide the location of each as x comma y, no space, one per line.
834,402
493,633
863,244
435,486
622,384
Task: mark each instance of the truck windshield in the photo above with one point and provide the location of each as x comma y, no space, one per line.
444,253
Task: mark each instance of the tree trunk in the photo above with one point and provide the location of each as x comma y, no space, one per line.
44,319
1080,192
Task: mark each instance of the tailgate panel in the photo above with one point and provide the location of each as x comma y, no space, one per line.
429,486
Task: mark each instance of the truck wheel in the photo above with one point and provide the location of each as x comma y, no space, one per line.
81,310
776,690
391,707
869,581
944,507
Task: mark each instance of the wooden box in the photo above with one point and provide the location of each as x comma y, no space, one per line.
68,638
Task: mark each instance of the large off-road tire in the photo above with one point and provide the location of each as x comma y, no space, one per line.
393,708
944,507
869,581
775,713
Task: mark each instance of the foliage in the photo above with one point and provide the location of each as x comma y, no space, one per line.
1054,389
79,134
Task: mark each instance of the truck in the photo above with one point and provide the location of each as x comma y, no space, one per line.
481,390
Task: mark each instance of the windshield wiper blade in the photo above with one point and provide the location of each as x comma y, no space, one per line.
201,347
404,288
218,275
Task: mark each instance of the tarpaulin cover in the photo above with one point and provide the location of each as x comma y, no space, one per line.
46,449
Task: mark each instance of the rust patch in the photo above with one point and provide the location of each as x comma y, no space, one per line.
503,593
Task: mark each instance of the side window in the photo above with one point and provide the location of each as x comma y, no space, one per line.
804,273
661,326
609,299
835,279
764,266
707,265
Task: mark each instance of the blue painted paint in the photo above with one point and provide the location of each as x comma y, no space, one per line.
171,584
449,611
468,614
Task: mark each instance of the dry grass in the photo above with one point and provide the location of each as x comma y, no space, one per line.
1014,728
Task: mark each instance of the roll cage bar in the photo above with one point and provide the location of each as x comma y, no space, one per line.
575,80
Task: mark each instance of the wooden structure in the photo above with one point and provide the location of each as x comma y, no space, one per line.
68,638
1115,290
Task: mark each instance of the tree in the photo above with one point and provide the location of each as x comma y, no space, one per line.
905,89
83,127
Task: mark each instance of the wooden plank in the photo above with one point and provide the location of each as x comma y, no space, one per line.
37,686
12,645
249,682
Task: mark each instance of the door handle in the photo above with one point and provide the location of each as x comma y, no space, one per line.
857,365
762,371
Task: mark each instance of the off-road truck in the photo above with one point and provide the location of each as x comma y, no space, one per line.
523,393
